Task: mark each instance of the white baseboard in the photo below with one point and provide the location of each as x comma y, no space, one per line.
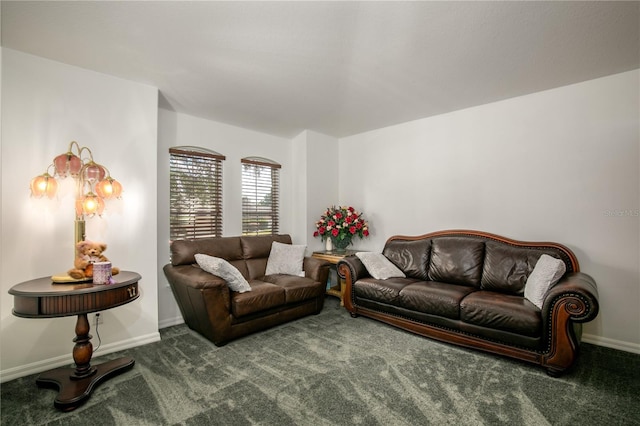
170,322
611,343
59,361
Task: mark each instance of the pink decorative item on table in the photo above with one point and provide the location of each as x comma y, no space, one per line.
102,273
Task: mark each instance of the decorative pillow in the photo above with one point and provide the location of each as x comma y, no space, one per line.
225,270
378,266
285,259
545,274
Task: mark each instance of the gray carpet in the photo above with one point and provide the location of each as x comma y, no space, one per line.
331,369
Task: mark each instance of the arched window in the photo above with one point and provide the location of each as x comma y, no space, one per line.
195,193
260,196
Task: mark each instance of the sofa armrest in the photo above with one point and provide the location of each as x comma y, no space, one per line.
316,269
581,293
351,269
573,300
192,276
185,280
204,300
355,267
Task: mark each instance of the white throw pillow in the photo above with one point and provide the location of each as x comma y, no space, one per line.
378,266
285,259
225,270
545,274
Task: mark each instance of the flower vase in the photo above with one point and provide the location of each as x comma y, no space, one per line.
328,245
340,245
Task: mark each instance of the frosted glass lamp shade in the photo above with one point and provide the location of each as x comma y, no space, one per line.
44,185
109,188
93,172
67,163
89,205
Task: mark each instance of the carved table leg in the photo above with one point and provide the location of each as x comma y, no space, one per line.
76,384
83,349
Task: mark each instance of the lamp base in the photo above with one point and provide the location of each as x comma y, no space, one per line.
64,278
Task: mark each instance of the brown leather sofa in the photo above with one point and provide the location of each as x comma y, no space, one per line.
209,307
467,288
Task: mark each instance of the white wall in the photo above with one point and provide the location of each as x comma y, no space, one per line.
560,165
176,129
316,157
299,165
45,105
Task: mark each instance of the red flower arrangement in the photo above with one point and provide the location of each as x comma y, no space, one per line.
341,224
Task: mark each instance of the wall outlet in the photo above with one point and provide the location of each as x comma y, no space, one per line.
99,319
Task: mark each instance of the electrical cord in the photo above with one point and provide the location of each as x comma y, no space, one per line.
97,332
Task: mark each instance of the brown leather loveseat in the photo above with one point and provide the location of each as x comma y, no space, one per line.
468,288
209,307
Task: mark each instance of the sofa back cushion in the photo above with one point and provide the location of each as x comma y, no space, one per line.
256,252
507,267
183,251
484,261
259,246
248,254
411,256
457,260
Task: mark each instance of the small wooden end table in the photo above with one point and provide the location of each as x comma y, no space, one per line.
41,298
334,257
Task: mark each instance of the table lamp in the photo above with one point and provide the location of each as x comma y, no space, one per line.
93,183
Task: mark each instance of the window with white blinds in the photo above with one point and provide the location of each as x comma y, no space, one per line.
260,196
195,193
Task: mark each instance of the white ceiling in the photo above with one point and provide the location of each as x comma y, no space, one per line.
339,68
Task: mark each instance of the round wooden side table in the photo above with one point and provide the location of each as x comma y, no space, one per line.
41,298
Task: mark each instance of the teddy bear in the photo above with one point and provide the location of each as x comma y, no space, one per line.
88,253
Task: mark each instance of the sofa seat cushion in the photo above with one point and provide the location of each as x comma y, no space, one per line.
502,312
296,289
262,296
435,298
385,291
